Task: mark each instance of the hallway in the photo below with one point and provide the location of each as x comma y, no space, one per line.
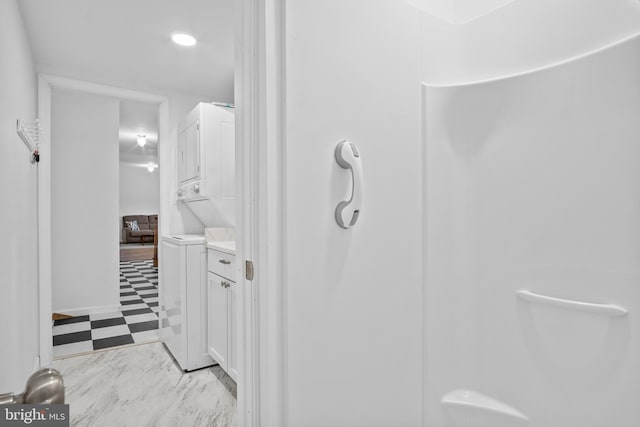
136,321
141,385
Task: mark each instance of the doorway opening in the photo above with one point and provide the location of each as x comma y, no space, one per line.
174,217
97,301
139,182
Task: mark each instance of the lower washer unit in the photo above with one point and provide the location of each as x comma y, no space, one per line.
182,295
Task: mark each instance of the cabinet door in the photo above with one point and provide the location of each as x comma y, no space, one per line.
232,362
192,150
217,320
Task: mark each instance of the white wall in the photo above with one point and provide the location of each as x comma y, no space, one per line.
522,35
353,297
139,191
84,200
441,9
18,221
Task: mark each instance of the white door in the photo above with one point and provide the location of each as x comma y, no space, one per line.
192,151
182,152
228,158
353,297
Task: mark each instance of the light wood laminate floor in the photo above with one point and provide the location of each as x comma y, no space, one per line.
141,385
136,253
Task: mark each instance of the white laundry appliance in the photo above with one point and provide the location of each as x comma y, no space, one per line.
206,164
182,294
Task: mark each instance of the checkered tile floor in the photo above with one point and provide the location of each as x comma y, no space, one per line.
135,322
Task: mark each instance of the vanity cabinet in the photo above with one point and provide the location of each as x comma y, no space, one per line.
221,302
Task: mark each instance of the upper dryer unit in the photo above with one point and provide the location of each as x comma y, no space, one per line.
206,164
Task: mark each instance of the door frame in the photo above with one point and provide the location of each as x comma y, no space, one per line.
261,195
261,172
46,83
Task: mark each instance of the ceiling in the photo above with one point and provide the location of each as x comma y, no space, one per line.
127,43
138,118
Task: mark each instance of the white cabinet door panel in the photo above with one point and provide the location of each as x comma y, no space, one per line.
217,320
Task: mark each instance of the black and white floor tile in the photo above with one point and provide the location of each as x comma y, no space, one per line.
135,322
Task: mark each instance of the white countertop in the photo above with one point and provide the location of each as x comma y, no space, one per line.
185,239
227,247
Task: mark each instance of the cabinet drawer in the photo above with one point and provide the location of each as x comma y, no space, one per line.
221,263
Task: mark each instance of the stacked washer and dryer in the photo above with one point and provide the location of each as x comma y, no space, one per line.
206,184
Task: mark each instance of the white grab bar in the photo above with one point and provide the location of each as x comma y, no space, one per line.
348,157
469,399
589,307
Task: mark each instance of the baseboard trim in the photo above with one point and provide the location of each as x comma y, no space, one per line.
88,310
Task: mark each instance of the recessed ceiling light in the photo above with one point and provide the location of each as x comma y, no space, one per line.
183,39
142,140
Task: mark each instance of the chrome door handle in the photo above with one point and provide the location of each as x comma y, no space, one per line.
348,157
43,387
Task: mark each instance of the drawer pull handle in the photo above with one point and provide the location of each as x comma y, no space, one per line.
224,261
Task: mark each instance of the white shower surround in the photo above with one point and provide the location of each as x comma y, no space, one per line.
520,36
334,290
459,11
532,183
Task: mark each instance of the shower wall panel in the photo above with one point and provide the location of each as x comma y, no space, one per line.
532,246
